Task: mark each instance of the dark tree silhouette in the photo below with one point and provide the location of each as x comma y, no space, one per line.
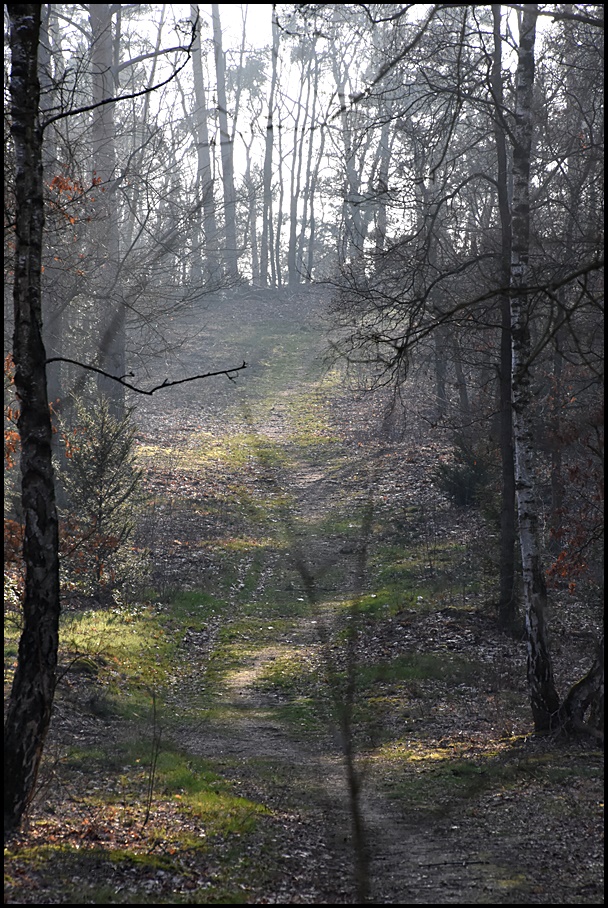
31,698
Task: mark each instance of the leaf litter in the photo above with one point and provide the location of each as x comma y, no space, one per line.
461,803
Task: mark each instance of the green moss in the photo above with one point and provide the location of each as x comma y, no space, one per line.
289,672
130,641
302,716
187,604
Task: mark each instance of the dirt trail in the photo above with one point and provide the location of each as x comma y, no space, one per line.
435,856
409,864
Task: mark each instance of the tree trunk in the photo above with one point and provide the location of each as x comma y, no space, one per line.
252,216
461,382
302,110
382,188
557,476
52,296
309,181
226,146
266,244
312,190
544,698
31,698
111,309
351,192
277,273
440,352
204,175
508,611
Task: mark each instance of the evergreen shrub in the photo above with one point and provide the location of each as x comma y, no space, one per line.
102,491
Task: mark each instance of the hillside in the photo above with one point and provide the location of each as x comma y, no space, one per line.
315,641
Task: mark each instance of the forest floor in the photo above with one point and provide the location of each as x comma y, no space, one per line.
311,597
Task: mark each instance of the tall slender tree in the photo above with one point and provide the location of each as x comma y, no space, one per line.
508,608
544,698
227,148
204,177
111,312
266,254
31,698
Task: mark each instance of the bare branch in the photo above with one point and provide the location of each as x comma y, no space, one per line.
152,53
164,384
135,94
562,16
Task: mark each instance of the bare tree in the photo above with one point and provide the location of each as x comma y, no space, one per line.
266,256
205,182
547,710
456,269
226,146
110,305
508,610
31,698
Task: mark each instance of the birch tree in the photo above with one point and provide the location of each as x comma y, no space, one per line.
508,610
547,709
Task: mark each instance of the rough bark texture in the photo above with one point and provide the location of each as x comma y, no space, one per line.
31,698
588,693
544,698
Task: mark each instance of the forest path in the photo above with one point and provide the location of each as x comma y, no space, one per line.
322,474
409,864
272,479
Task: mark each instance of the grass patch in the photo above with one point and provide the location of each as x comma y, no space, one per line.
190,782
290,672
310,421
253,630
384,603
244,449
432,779
81,873
302,716
191,608
206,795
419,667
131,643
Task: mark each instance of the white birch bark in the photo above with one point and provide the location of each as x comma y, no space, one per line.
544,698
508,607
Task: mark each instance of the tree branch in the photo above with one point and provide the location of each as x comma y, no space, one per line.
561,16
164,384
135,94
152,53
